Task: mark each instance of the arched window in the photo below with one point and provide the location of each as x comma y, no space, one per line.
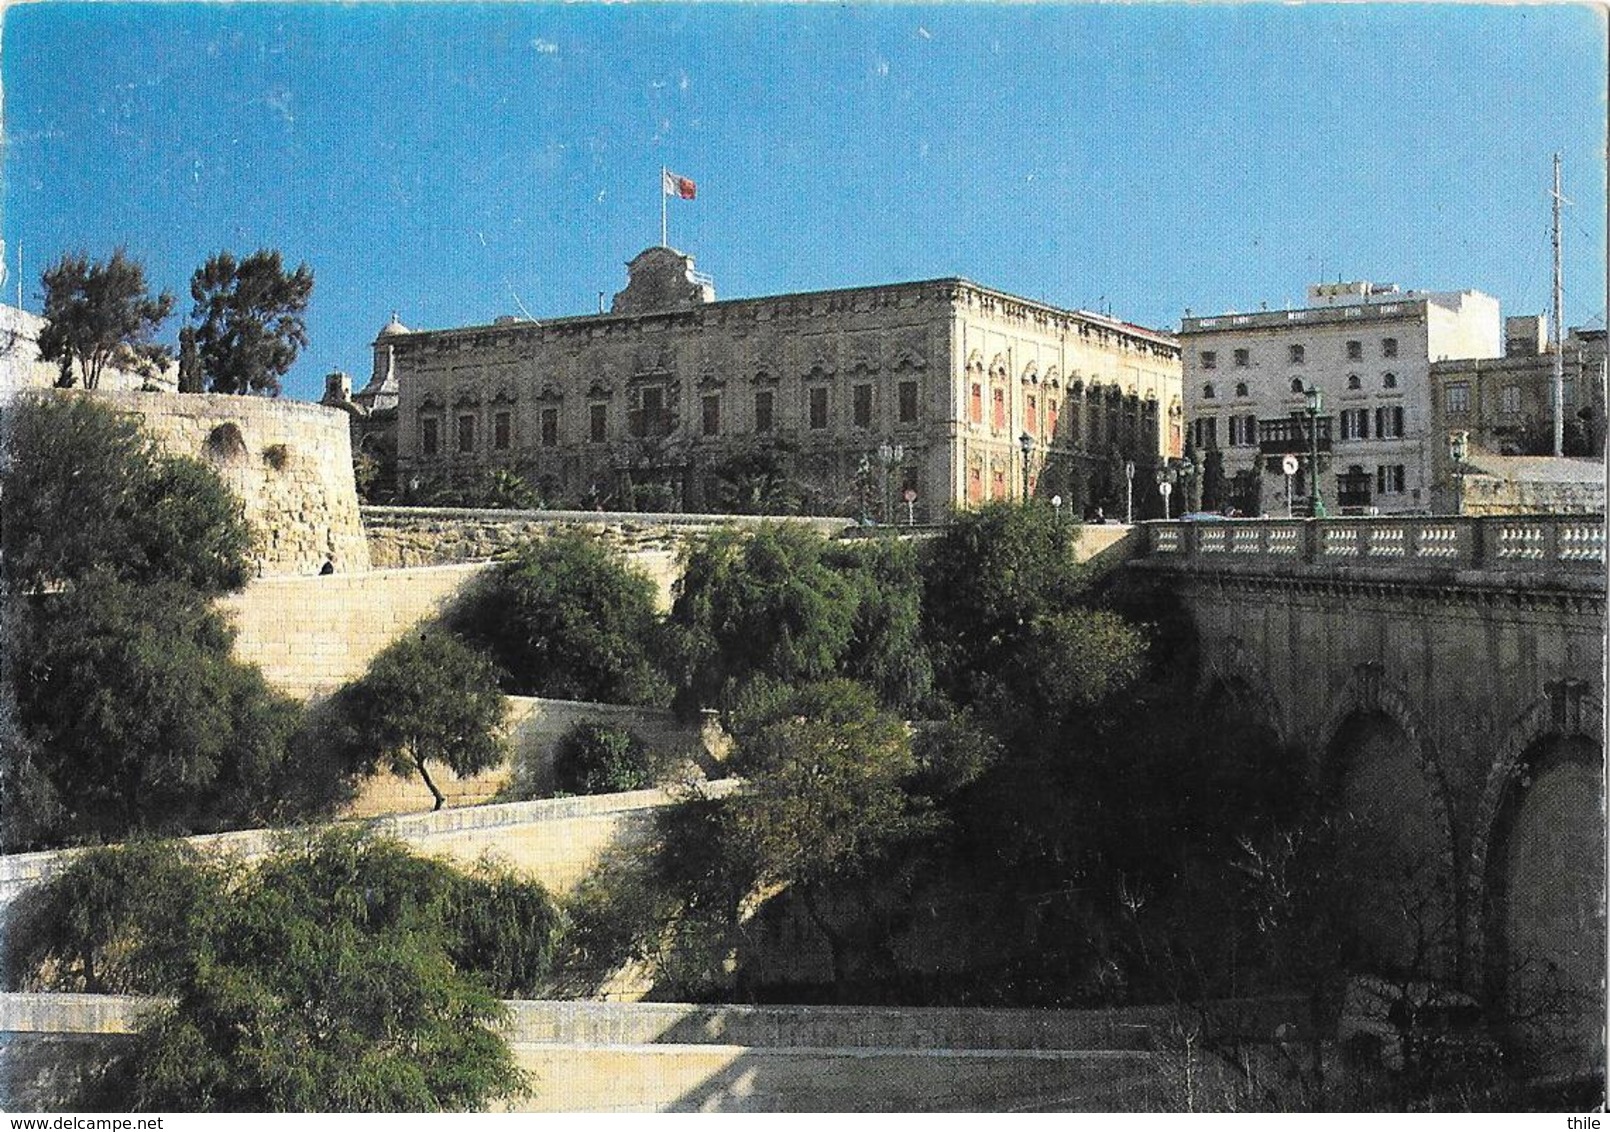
1208,392
1390,381
1240,389
1353,382
1296,385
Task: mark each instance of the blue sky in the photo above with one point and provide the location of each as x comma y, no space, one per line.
457,162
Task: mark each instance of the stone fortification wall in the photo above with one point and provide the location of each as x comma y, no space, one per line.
313,634
534,727
290,463
555,841
431,536
669,1057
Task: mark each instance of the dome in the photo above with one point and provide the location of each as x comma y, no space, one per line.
393,327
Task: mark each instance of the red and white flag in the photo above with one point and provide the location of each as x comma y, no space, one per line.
674,186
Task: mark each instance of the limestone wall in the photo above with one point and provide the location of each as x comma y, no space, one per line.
648,1057
312,634
290,463
555,841
534,727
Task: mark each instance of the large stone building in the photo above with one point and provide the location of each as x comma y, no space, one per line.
861,397
1368,350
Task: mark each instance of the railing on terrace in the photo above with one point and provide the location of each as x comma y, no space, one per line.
1518,544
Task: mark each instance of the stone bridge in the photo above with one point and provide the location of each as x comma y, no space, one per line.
1444,679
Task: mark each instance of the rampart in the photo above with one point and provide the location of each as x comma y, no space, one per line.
289,462
671,1057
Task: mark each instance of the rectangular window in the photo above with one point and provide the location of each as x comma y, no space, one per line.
1389,422
908,402
1458,394
998,409
1051,416
1031,411
863,406
1389,347
466,433
1207,432
819,407
1243,358
763,411
1355,424
598,423
1509,399
997,484
1243,431
975,485
710,412
1355,350
1295,353
975,404
429,438
502,431
1389,479
1210,359
550,428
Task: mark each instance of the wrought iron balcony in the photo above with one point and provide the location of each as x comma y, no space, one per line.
1279,435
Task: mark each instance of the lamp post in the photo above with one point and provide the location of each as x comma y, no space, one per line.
1316,402
889,455
1026,443
1056,502
1129,492
1458,450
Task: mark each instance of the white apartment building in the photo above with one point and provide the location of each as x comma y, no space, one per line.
1367,348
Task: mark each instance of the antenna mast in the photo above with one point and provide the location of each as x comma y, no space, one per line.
1559,329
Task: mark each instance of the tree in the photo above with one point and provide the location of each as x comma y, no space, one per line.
596,758
335,976
1214,489
138,717
759,605
986,580
886,651
427,698
85,490
99,314
824,799
567,619
192,379
249,314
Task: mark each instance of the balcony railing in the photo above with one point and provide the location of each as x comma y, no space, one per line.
1497,544
1278,435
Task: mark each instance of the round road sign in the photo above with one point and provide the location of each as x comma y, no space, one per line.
1164,489
1289,464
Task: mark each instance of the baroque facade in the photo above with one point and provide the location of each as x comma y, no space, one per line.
893,401
1368,349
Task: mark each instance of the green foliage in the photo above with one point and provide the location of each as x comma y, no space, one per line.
86,490
250,325
140,719
115,921
1215,491
597,758
490,488
950,754
755,482
191,377
566,619
784,604
343,973
427,698
99,314
886,651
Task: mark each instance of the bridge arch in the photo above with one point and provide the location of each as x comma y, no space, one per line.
1380,773
1231,670
1536,875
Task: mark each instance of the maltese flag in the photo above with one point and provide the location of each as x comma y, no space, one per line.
674,186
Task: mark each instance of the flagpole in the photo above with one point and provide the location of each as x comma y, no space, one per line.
664,243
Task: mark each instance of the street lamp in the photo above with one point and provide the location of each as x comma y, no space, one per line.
1458,450
1129,492
889,455
1026,443
1316,402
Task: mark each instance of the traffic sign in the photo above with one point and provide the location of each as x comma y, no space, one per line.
1289,464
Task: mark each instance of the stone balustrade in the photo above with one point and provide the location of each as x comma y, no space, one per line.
1560,545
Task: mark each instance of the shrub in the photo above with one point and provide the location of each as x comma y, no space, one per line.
598,758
